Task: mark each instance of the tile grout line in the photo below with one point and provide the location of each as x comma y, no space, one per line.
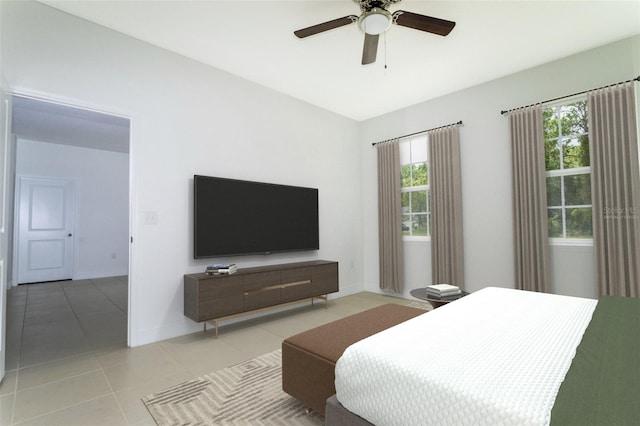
60,409
75,314
107,296
113,392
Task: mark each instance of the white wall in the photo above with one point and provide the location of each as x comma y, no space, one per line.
102,201
188,118
486,176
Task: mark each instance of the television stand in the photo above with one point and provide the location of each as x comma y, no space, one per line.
215,298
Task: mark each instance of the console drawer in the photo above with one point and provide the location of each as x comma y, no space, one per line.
296,290
261,279
325,279
296,275
261,298
219,297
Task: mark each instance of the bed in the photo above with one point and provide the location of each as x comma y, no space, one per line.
499,356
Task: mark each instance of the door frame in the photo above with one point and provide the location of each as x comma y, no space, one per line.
114,111
5,170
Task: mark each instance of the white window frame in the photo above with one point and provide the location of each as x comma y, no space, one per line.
568,172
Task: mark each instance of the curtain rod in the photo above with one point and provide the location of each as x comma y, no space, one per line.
417,133
568,96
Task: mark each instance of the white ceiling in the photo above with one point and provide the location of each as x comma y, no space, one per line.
254,40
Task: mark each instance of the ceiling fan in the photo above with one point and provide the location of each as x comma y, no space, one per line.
375,19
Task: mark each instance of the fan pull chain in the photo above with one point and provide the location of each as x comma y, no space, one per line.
385,50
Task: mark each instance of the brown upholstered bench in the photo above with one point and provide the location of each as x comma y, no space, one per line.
309,358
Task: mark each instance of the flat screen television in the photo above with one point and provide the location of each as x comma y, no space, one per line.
237,217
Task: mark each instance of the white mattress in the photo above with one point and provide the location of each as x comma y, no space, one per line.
495,357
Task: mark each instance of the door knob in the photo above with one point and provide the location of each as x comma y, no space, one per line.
68,235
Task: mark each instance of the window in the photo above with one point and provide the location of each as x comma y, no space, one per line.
414,169
568,171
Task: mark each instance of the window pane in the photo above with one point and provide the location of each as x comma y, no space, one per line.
405,201
551,155
418,202
405,152
419,150
555,223
419,225
579,223
577,190
406,224
574,118
420,174
575,152
405,176
554,197
550,123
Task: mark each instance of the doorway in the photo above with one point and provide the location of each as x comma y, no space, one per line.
73,165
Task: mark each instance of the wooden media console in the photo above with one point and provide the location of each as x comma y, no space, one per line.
214,298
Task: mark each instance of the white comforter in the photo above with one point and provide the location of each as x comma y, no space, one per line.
495,357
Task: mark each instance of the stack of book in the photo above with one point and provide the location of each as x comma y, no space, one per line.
221,269
443,290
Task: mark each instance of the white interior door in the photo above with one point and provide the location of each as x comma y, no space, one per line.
46,219
5,135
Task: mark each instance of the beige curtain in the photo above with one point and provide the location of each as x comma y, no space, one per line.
447,259
529,200
389,217
615,190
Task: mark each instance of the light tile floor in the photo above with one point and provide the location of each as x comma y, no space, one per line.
68,364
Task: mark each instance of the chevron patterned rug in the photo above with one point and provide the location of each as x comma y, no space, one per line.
249,393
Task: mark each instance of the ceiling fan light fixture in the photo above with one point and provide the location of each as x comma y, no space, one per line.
376,21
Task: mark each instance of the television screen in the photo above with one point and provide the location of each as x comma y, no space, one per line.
234,217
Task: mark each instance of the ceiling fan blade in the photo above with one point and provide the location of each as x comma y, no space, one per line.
325,26
370,49
423,23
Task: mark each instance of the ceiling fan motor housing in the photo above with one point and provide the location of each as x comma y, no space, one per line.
375,21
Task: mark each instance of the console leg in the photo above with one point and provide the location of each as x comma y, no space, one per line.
215,323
